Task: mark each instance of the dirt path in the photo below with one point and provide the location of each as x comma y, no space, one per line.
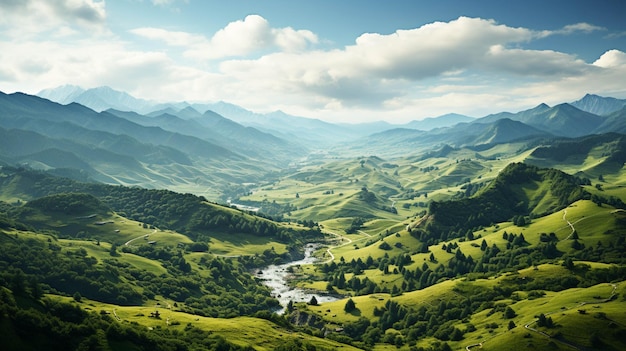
529,327
564,342
116,316
364,233
328,250
479,345
139,237
568,223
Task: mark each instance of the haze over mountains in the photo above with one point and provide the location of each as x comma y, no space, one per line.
205,148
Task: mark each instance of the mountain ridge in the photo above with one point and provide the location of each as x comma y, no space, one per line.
599,105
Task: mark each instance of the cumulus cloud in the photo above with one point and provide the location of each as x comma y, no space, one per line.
544,63
467,65
240,38
361,72
611,58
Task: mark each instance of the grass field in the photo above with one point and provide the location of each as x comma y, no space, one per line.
243,331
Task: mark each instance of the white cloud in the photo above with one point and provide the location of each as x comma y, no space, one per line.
172,38
252,35
611,58
544,63
569,30
382,73
580,27
36,16
469,65
378,67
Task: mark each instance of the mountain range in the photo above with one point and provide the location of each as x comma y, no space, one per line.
207,148
453,231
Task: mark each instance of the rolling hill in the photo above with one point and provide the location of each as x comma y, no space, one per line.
500,232
519,190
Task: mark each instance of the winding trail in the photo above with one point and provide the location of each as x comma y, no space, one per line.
529,327
568,223
116,316
364,233
469,347
139,237
328,250
564,342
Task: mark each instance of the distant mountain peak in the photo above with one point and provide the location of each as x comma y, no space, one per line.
599,105
446,120
541,107
64,94
189,113
98,99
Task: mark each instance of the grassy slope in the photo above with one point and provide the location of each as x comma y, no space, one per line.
244,331
439,177
562,306
590,221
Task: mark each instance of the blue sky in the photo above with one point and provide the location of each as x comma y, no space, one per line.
348,61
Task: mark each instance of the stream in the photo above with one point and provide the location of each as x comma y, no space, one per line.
276,278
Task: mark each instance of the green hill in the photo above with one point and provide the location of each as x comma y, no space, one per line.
519,190
592,155
185,213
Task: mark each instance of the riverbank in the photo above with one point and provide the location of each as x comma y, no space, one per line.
277,277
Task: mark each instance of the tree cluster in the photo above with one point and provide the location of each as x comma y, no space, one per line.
63,326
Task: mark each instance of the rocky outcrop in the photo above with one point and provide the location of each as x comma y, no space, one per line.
301,318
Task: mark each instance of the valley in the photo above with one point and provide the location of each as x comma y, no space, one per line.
244,233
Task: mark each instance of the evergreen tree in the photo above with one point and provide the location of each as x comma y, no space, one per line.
350,306
509,313
113,250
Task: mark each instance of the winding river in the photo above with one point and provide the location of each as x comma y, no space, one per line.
276,278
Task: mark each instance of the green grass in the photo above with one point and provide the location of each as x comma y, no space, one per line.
243,331
564,308
239,244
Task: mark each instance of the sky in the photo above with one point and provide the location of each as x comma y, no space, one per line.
340,61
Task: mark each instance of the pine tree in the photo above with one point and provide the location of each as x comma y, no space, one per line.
290,306
509,313
483,245
350,306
